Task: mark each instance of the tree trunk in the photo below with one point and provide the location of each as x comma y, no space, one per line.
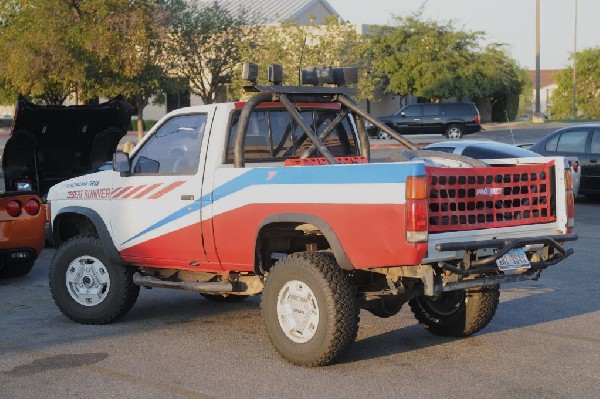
140,105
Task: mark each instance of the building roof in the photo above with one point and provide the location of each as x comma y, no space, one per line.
272,11
546,77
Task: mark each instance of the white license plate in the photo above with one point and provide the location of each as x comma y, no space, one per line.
513,259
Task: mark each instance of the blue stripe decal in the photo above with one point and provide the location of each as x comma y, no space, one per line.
326,174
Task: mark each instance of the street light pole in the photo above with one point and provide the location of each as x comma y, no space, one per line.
575,66
537,117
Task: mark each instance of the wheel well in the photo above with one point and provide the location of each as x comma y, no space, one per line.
69,225
275,240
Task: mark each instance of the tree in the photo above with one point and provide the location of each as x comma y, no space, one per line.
292,46
435,60
588,87
205,47
425,58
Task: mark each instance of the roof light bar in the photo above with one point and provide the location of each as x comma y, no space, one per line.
275,74
317,75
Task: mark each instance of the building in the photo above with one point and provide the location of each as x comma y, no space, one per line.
547,86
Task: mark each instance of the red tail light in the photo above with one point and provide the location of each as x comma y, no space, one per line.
13,208
416,209
570,201
477,119
32,207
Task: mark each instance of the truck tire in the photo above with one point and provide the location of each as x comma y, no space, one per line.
457,313
86,286
454,131
224,298
309,307
16,268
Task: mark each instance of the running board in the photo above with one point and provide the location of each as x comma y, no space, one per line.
209,287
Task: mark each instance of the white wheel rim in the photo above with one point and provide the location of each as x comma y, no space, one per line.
298,311
87,280
454,133
383,136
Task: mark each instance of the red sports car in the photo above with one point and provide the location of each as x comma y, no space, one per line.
22,221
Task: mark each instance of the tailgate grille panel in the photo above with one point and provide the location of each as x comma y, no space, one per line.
480,198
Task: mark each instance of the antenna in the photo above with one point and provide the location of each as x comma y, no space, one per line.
300,62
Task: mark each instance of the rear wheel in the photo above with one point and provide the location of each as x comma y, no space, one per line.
457,313
454,132
86,286
310,309
383,135
16,268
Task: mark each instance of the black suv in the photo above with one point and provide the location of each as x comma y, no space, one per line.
450,119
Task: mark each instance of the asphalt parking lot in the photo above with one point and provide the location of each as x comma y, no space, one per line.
542,343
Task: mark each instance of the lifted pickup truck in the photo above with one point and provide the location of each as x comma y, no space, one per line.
277,195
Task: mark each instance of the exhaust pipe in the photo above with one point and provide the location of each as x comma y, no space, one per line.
208,287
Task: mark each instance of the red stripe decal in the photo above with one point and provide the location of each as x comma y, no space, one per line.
146,191
166,189
135,190
123,191
114,191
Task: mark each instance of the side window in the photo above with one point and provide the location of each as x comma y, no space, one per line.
595,142
573,141
431,110
273,136
174,148
552,143
413,110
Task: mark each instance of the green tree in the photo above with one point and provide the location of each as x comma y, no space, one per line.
204,48
588,87
426,58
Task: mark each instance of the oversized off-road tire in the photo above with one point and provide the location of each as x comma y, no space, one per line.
454,131
457,313
16,268
86,286
309,307
224,298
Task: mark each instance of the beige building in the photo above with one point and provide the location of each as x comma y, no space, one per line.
547,87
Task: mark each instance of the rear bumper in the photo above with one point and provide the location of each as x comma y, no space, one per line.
475,272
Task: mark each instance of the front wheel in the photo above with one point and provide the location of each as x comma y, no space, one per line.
457,313
309,307
86,286
454,132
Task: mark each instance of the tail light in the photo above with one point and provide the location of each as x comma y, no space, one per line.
32,207
13,208
477,119
569,200
416,209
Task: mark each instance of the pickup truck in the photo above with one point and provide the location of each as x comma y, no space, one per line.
278,196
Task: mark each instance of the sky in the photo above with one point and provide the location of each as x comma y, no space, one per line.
504,21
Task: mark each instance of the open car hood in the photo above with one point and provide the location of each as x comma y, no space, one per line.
49,144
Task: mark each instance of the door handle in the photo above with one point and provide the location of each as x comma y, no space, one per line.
416,119
593,160
187,197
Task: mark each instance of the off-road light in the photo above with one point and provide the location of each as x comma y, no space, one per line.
20,255
250,72
345,76
317,75
275,74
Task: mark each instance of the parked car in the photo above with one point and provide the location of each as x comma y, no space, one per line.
49,144
22,220
580,144
490,150
450,119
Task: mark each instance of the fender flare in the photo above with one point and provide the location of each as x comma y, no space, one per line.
107,243
338,251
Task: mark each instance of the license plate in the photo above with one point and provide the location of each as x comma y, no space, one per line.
513,259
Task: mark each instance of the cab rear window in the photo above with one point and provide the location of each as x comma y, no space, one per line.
273,135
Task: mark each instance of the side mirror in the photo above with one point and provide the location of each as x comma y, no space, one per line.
121,162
